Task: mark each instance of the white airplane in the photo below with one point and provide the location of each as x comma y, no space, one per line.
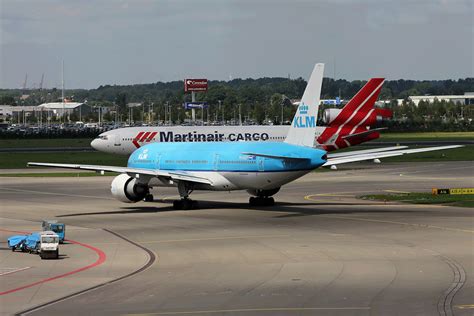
260,168
331,137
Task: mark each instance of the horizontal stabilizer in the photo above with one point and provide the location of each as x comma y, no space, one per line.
276,157
384,154
365,133
365,151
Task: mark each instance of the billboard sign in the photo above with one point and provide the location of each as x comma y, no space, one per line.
195,105
197,85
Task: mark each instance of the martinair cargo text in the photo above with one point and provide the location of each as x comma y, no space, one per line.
260,168
339,132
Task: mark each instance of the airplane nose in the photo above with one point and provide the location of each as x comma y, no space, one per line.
95,144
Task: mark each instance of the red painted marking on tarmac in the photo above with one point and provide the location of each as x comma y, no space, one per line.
99,261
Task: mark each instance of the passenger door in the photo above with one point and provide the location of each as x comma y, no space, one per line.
261,163
216,162
157,162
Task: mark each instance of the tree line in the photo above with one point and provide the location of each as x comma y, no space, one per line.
262,100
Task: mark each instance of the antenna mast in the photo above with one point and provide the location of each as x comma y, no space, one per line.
41,82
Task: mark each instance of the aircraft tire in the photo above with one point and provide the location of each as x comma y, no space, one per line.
148,198
261,201
269,201
177,204
252,201
189,204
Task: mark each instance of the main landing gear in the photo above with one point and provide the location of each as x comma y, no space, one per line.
262,197
185,203
261,201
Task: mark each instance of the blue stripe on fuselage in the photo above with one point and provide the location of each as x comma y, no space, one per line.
225,157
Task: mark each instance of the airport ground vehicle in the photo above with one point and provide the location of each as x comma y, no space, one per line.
45,243
17,242
58,228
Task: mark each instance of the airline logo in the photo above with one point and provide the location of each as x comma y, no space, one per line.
169,137
143,137
304,120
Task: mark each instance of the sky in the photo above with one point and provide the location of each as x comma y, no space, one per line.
144,41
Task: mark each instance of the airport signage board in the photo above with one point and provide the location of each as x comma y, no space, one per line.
195,105
462,191
196,85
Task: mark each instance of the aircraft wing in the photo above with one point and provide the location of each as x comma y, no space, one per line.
365,151
132,172
384,154
368,132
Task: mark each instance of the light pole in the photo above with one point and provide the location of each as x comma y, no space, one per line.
220,104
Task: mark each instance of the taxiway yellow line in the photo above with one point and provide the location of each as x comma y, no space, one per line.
399,223
465,306
309,197
250,310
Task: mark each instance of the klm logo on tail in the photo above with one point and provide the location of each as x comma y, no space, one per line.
303,120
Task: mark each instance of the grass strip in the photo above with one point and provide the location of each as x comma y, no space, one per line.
19,160
463,200
45,142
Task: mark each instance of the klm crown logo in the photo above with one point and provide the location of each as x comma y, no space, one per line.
303,108
303,120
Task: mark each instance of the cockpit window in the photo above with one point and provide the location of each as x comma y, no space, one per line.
103,137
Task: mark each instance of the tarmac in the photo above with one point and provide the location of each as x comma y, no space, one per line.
319,251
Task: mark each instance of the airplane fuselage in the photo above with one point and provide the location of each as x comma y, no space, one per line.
124,141
230,166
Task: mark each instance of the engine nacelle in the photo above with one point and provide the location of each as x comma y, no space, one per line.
379,116
329,115
127,189
263,193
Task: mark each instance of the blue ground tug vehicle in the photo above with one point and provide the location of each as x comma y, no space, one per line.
45,243
17,242
58,228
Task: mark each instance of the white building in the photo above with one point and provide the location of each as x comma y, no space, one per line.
59,108
467,98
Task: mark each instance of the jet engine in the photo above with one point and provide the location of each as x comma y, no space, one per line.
127,189
329,115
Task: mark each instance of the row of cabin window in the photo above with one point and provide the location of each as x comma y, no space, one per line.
242,162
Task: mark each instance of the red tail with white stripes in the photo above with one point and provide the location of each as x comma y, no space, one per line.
349,127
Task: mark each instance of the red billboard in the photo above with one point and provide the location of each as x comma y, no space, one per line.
199,85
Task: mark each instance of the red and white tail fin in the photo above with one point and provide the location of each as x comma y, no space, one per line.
358,112
354,112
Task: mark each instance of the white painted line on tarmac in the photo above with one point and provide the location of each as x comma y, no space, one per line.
61,194
12,270
253,310
210,238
